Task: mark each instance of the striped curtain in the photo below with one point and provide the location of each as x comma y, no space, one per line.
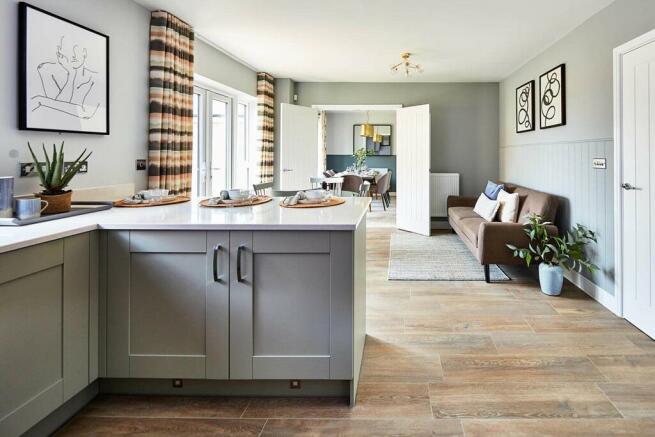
265,131
322,140
170,135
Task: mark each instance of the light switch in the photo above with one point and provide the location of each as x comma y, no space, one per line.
599,163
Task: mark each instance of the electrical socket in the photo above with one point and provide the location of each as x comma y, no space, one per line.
141,164
29,169
294,384
178,383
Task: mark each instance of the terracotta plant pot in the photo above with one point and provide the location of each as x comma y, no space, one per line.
57,203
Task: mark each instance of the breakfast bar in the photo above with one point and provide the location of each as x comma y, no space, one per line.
182,299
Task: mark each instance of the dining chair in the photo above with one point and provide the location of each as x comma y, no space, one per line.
382,189
261,189
316,181
352,183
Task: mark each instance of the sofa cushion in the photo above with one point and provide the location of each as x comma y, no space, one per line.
486,208
470,227
536,202
492,189
461,212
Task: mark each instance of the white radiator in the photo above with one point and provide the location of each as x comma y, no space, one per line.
442,185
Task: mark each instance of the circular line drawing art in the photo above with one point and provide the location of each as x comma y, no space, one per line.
523,117
550,92
67,83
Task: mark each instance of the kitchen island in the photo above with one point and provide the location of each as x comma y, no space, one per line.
181,299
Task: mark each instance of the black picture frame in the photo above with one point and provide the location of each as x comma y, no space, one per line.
22,72
524,114
356,128
546,100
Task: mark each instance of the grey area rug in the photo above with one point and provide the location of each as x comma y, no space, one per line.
442,257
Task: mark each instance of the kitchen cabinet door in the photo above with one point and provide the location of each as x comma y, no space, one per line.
167,315
284,301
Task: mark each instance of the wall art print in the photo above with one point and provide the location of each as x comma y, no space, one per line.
552,98
64,74
525,107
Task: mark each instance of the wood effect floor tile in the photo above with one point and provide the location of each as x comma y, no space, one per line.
563,343
642,341
362,427
632,400
559,427
453,343
575,323
464,323
577,304
498,308
166,406
626,368
298,407
504,368
389,362
520,400
392,400
117,426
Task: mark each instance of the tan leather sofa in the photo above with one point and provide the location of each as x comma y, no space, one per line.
487,240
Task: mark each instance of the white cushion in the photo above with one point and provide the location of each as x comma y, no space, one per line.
509,206
486,208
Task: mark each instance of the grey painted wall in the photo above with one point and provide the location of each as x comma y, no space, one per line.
558,160
218,66
113,160
464,120
340,129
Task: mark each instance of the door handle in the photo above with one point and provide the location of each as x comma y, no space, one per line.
627,186
287,169
217,248
239,250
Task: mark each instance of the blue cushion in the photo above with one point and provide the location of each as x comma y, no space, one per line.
492,190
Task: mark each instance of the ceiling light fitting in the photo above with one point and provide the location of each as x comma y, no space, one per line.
406,67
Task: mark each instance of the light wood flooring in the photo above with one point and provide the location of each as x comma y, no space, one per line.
442,358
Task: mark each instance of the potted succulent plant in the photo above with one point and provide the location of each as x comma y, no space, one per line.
555,253
54,178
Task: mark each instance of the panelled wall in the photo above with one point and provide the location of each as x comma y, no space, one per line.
586,196
559,160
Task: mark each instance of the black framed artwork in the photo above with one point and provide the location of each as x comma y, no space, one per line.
525,107
63,74
552,98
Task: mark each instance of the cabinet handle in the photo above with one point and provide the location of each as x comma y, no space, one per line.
239,250
217,248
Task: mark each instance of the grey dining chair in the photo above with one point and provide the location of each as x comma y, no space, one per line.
352,183
262,189
382,189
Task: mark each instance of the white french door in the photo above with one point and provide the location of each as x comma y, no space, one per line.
637,195
298,146
223,143
413,166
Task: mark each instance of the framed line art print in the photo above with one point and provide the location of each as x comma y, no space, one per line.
525,107
63,74
552,98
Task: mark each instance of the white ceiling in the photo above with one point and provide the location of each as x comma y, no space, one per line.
358,40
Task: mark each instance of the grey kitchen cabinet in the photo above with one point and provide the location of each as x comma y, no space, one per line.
238,305
168,304
291,305
48,313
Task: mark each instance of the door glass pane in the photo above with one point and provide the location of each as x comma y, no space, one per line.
241,167
219,146
197,172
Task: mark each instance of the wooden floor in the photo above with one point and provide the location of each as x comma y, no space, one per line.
442,358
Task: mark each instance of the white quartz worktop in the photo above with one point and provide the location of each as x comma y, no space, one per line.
191,216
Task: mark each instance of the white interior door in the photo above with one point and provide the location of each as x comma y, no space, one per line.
298,146
413,166
638,193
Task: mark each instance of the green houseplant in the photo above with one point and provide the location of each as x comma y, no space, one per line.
54,178
360,157
555,253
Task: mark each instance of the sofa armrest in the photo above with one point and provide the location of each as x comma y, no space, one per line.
493,238
453,201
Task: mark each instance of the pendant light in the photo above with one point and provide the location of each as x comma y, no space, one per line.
366,129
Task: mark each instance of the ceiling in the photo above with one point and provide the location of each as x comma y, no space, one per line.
358,40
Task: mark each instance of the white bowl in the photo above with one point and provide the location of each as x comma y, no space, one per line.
238,194
315,194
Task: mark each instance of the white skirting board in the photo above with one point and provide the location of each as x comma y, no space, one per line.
600,295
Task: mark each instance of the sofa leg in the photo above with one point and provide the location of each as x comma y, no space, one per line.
487,277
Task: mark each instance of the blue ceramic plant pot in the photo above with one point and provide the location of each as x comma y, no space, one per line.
551,279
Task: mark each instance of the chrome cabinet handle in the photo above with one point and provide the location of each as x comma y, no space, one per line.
627,186
239,250
217,248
